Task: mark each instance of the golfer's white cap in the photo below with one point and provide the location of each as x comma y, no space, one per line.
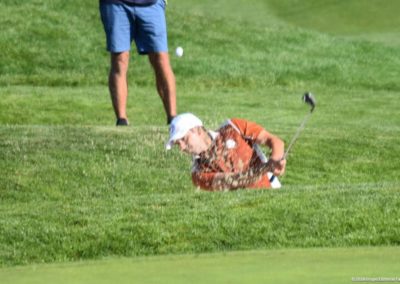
180,125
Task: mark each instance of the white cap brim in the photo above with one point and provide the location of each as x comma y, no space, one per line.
168,146
180,126
172,140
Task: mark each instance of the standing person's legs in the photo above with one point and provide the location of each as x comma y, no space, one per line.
118,84
165,82
147,25
151,39
116,19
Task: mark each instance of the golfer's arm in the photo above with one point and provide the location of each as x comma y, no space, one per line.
273,142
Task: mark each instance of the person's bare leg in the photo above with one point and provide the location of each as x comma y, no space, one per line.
118,83
165,81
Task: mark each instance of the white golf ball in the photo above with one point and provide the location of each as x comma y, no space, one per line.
179,51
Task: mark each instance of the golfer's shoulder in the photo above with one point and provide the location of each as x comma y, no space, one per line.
236,123
246,127
243,123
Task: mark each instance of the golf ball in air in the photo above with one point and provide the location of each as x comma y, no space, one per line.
179,51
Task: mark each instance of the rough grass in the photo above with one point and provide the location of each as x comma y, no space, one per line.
74,193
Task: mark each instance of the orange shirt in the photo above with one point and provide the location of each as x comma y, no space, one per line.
232,151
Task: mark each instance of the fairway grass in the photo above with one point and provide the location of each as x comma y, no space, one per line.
334,265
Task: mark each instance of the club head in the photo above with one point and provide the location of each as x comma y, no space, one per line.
309,99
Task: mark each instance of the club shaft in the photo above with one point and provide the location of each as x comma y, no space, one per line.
296,135
308,98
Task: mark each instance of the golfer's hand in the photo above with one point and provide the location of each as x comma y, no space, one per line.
277,167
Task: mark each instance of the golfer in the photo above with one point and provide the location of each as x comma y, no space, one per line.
229,158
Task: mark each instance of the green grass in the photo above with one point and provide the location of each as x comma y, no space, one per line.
272,266
74,187
372,20
243,54
120,220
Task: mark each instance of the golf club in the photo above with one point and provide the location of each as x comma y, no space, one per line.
309,99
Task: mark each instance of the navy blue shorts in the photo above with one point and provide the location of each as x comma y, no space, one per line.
146,25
